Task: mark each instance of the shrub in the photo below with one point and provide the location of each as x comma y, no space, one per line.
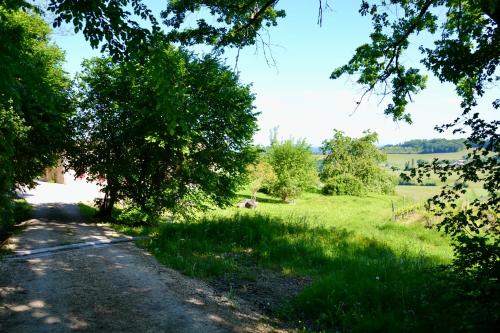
358,157
261,176
22,210
381,183
294,168
133,216
344,185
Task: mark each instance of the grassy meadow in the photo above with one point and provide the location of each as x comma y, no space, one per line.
366,271
399,160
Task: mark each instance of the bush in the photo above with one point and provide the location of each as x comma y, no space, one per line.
344,185
22,210
12,212
382,183
359,158
261,176
133,216
6,215
294,168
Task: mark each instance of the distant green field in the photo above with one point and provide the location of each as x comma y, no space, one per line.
416,194
399,160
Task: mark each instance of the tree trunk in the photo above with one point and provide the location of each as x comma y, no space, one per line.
107,204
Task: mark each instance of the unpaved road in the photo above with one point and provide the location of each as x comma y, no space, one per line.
115,288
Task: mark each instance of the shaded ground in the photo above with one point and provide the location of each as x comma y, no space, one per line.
117,288
56,224
266,291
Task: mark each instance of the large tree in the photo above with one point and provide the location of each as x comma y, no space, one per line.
34,103
164,130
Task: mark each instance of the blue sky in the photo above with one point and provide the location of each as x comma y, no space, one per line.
297,95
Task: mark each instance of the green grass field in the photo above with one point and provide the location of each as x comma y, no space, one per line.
399,160
369,273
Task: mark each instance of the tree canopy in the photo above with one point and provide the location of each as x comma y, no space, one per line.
359,158
162,131
34,101
466,54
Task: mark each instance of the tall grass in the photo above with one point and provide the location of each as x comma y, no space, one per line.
369,273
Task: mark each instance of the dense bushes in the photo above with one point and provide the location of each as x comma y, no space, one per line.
350,158
351,167
344,185
293,166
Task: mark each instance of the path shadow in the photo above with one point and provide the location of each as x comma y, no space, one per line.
54,224
111,289
61,212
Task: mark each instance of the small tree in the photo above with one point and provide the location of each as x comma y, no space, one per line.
261,174
294,166
359,158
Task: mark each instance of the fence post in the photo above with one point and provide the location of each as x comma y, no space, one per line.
393,210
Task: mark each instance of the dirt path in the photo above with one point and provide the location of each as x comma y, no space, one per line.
116,288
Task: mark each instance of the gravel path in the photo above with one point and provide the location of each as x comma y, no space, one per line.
117,288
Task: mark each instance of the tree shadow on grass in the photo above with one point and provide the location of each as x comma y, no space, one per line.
358,283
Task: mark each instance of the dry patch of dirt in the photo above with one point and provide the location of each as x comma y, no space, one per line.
265,290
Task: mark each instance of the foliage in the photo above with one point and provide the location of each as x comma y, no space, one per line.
34,103
166,132
358,158
116,24
425,146
133,216
345,184
34,85
22,210
293,166
261,175
11,126
466,55
474,229
113,24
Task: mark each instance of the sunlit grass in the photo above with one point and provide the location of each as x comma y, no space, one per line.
366,268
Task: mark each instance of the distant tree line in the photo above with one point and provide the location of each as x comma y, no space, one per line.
422,146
